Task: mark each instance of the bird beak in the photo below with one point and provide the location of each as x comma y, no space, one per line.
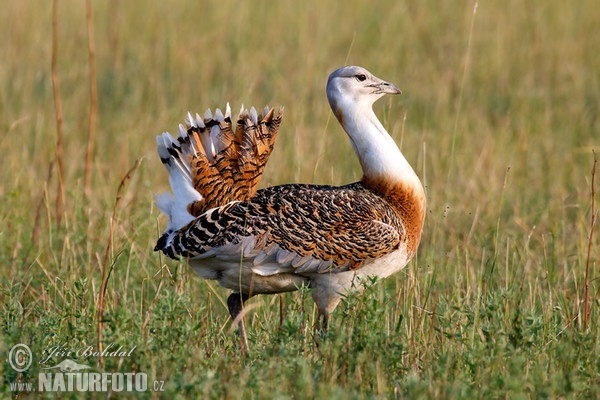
384,87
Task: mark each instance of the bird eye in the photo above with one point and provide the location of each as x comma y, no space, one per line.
361,77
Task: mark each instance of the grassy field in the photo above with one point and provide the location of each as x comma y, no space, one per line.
499,116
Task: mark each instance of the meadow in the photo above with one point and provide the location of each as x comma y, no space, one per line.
500,117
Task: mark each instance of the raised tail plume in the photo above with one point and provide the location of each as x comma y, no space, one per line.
231,165
210,164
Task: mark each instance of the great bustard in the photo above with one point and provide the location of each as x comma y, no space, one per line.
277,239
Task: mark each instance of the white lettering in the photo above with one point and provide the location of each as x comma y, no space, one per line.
61,351
85,351
82,384
45,382
131,351
21,386
117,382
141,382
90,381
129,376
59,383
105,381
94,382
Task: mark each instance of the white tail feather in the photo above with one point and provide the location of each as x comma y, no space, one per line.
180,179
219,115
199,121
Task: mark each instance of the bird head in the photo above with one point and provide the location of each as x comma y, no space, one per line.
348,86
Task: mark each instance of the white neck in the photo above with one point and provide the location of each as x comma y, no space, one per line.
380,158
351,92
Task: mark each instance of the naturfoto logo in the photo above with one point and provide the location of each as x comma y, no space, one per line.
69,375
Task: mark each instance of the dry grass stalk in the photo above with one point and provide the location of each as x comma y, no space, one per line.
93,102
105,271
586,298
35,232
58,114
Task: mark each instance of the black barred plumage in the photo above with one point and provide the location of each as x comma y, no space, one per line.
309,220
280,238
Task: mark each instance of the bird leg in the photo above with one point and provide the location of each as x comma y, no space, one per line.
326,303
323,322
235,303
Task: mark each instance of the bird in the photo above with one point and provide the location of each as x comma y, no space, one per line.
281,238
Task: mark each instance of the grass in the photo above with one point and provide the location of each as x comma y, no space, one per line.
499,115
